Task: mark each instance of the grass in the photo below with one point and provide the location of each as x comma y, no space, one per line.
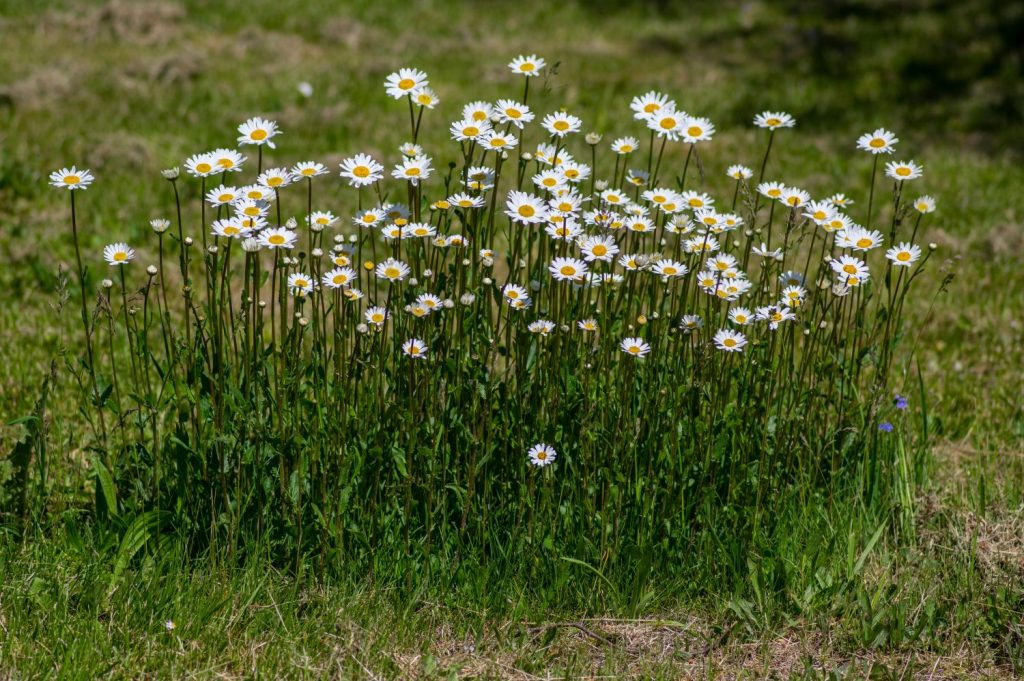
908,607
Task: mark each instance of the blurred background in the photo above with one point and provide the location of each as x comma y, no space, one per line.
127,88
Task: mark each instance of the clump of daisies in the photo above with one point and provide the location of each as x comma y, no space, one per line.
385,337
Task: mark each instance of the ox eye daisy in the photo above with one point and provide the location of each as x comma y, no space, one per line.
903,170
589,325
278,238
376,315
542,454
602,248
740,315
773,120
413,170
541,326
425,97
200,165
568,269
404,81
227,160
529,66
469,129
635,347
904,254
650,103
118,254
525,208
415,348
924,204
222,195
308,169
71,178
881,141
339,277
275,178
392,269
561,124
361,170
695,130
625,145
669,268
258,131
729,340
510,111
738,172
300,284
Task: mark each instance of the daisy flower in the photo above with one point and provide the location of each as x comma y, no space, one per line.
738,172
903,170
793,296
419,229
250,208
794,198
904,254
321,219
548,180
376,315
691,323
625,145
924,204
729,340
477,111
118,254
255,192
493,140
411,150
511,111
222,195
71,178
773,190
370,217
601,248
525,208
669,268
415,348
566,204
567,269
650,103
425,97
429,301
275,178
697,130
574,171
634,346
851,270
541,326
587,325
468,129
402,82
361,170
339,277
740,315
791,278
819,211
542,455
858,238
773,120
667,122
764,252
308,169
561,124
880,141
463,200
278,237
392,270
229,229
227,160
300,284
774,315
200,165
529,66
258,131
413,170
697,199
840,200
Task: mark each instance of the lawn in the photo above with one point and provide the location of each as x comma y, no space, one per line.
129,88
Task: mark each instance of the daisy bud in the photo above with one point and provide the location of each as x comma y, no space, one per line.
291,223
131,311
736,243
527,157
171,173
564,328
263,304
487,281
448,303
298,315
822,324
160,226
303,321
807,332
317,253
932,246
534,285
601,185
305,89
427,274
250,245
487,262
413,281
338,238
151,270
654,315
188,241
467,299
362,328
352,238
106,283
593,138
641,320
465,262
368,265
212,250
316,228
748,233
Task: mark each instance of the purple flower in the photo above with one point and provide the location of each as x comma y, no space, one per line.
901,402
885,427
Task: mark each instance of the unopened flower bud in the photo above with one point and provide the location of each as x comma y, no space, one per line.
106,283
593,138
171,173
151,270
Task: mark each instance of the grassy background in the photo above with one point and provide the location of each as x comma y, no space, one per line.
127,88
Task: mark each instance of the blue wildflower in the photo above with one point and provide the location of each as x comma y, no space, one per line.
885,427
901,402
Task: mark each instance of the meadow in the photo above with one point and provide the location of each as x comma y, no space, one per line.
536,421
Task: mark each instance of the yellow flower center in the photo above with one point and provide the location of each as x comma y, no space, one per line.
275,181
120,256
301,283
203,167
225,163
224,198
850,269
669,270
903,171
773,121
527,67
793,200
741,318
668,123
513,113
634,349
308,171
424,99
361,171
72,179
568,270
729,342
600,249
276,239
561,126
412,172
774,193
526,211
497,141
258,135
252,211
877,143
694,131
696,203
377,318
391,272
406,84
652,107
368,218
903,256
230,230
470,131
339,279
864,243
626,148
